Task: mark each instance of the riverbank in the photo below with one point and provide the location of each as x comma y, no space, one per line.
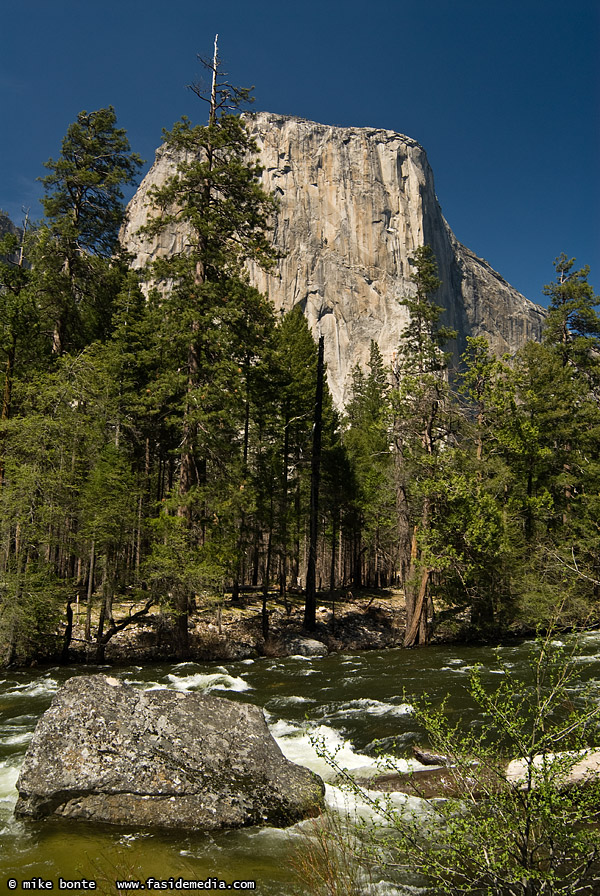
226,630
222,630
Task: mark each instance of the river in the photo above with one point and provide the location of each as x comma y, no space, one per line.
348,701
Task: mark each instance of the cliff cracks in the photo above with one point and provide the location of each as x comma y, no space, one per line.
353,205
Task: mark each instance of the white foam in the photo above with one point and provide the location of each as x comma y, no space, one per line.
146,685
370,804
293,699
216,681
312,747
37,688
281,728
8,780
387,888
14,739
374,708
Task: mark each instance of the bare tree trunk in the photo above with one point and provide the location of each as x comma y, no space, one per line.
284,513
334,524
416,605
310,607
265,588
90,591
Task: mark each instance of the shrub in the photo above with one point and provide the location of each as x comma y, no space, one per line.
531,833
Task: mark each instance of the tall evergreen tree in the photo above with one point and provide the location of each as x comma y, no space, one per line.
422,426
84,210
368,440
572,326
215,197
19,320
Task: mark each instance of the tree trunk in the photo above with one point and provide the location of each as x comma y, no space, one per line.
90,591
265,587
181,613
284,512
416,606
310,607
334,522
105,611
416,630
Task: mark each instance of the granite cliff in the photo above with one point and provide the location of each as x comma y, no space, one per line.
354,203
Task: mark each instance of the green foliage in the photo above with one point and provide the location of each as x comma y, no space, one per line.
160,432
367,440
294,379
216,196
31,604
76,278
518,830
423,428
84,198
572,326
423,339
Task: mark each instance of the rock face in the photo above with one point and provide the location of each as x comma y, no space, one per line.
354,204
108,752
6,227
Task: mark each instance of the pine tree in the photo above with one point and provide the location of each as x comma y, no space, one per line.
572,326
19,320
84,210
297,361
422,426
368,440
214,195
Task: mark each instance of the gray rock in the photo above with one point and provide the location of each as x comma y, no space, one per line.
566,769
354,204
109,752
307,647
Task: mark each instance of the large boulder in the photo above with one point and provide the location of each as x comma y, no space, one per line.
109,752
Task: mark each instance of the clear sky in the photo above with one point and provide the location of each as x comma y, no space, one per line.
504,95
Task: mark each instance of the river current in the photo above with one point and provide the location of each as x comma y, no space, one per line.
355,704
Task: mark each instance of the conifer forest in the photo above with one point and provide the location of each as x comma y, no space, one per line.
166,437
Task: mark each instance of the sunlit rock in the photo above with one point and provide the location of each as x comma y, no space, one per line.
354,204
108,752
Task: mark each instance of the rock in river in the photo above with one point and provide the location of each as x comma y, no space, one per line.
109,752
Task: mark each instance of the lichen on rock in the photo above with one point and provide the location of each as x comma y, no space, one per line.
109,752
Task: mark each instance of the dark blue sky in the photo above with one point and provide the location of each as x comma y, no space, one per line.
504,95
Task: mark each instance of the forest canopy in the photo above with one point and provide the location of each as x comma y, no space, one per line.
157,435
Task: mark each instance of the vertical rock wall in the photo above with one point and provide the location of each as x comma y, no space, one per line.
354,204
